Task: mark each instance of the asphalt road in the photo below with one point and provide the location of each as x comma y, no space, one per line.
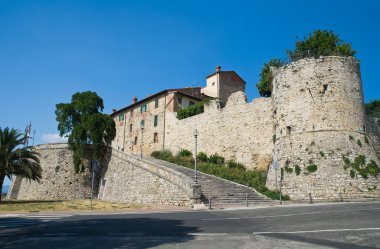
340,225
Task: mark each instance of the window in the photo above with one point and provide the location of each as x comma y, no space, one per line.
191,103
155,137
155,120
156,103
143,108
121,117
180,101
142,123
135,140
130,128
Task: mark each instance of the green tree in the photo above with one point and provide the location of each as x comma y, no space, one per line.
320,42
265,85
15,159
372,108
90,132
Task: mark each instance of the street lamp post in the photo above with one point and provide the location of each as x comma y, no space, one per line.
195,156
142,138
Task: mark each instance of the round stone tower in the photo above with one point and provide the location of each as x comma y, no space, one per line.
320,129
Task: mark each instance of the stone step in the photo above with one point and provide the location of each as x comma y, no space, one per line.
221,192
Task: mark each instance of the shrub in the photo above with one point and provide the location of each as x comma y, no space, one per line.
359,143
162,154
288,170
265,84
373,168
320,43
360,167
372,109
235,165
202,157
297,169
311,168
216,159
192,110
184,153
366,140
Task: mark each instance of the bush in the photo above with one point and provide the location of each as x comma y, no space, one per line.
184,153
202,157
359,143
373,168
216,159
192,110
235,165
372,108
311,168
234,171
265,86
162,154
320,43
297,169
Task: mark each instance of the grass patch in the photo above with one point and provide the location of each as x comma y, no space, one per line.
230,170
17,206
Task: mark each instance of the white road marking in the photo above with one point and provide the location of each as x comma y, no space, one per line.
207,234
232,218
322,231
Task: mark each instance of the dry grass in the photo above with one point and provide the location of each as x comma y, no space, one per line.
18,206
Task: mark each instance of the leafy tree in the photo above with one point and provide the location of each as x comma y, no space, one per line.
90,132
321,42
265,85
17,160
372,108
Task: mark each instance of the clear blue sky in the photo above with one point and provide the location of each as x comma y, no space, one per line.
52,49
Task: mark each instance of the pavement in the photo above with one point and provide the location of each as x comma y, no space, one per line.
337,225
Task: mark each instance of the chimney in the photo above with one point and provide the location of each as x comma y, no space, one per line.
113,110
134,99
218,69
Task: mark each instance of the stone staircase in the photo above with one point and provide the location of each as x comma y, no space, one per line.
222,193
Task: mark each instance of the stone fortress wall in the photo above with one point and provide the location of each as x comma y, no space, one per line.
58,178
123,179
240,131
128,179
319,118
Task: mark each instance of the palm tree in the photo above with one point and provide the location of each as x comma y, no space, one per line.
16,159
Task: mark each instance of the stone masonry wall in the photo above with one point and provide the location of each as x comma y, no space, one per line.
58,178
127,179
240,131
319,118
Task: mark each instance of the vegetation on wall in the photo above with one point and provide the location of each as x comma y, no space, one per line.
320,43
230,170
372,108
312,167
265,84
192,110
360,167
90,132
316,44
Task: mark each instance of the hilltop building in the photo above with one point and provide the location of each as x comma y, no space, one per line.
151,113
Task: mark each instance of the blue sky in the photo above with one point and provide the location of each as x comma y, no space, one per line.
52,49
